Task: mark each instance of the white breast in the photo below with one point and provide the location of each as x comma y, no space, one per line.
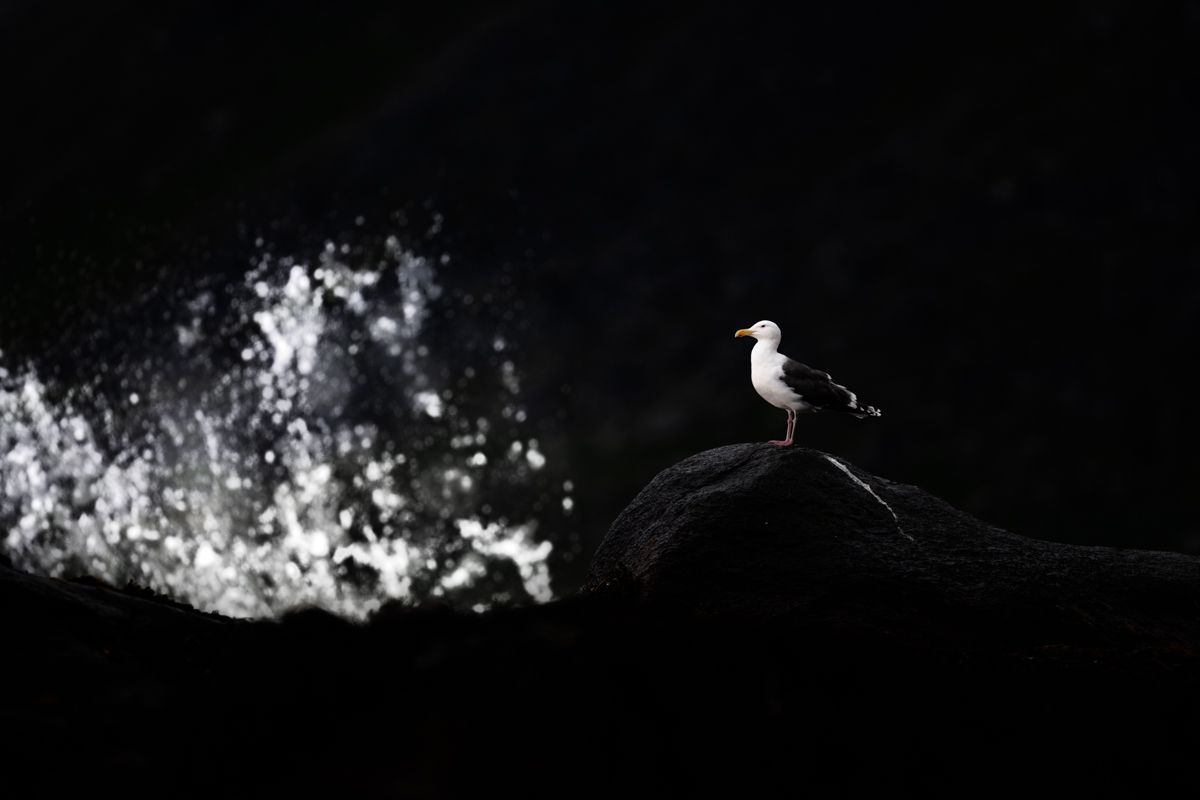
766,374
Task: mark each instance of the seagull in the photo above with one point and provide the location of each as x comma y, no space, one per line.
792,386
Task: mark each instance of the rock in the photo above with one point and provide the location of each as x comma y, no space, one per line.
753,531
757,625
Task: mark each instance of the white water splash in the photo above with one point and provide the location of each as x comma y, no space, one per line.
296,444
871,492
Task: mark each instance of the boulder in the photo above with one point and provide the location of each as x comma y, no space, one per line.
757,532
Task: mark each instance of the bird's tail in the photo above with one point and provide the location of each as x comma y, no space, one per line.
866,411
856,408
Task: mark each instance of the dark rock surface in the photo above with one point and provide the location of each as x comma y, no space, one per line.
753,530
756,626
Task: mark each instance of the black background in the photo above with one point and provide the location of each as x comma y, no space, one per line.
979,217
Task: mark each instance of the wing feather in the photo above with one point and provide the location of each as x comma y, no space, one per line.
817,388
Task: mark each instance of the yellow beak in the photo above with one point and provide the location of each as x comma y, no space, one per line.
743,332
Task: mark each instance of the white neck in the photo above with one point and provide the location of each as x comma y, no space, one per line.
764,348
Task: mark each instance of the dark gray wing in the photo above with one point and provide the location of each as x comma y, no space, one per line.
817,388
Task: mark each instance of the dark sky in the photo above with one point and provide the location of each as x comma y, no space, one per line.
980,217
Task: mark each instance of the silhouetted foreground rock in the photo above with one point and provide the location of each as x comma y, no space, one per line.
753,531
757,625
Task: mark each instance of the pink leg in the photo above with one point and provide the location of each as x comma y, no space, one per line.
791,428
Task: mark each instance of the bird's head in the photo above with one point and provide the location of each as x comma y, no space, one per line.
765,330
